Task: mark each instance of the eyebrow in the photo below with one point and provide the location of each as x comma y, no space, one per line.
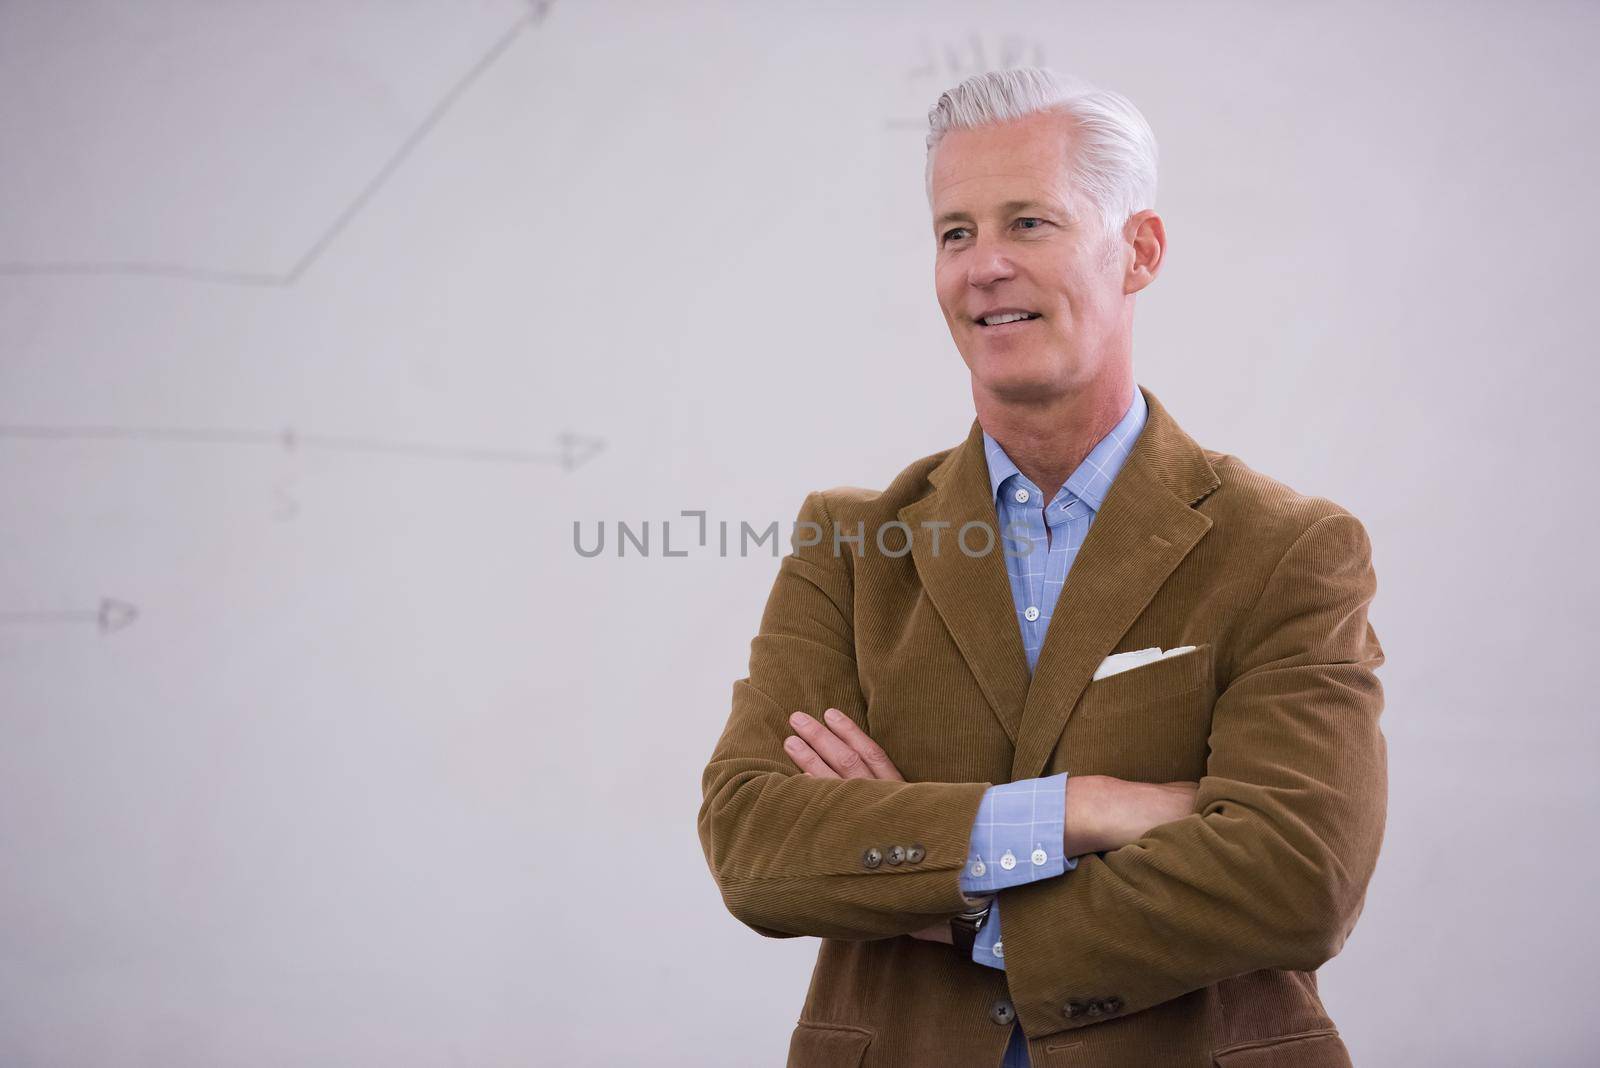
1005,209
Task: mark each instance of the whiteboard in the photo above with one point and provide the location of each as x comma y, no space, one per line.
322,325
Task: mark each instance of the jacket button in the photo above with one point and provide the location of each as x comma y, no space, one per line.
896,854
1112,1004
872,857
1094,1008
916,853
1073,1009
1001,1012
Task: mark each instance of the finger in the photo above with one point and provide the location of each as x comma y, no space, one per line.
806,758
859,740
840,757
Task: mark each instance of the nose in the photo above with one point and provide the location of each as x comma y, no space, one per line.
988,264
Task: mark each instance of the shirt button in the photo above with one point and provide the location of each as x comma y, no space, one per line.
1007,861
1031,613
1021,496
1039,857
1000,950
977,869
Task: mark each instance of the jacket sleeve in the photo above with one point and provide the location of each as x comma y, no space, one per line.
1271,869
794,854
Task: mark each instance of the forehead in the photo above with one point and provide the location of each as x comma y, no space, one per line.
1025,159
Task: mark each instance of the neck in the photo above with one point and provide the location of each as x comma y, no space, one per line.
1047,439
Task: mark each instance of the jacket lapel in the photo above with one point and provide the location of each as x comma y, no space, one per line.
971,593
1144,528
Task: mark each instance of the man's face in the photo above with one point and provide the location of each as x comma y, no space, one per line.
1010,232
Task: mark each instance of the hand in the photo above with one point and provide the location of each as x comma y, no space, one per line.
838,749
835,748
1104,812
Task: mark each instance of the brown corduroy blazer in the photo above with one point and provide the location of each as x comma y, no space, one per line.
1196,944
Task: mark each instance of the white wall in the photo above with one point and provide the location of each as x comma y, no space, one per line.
383,772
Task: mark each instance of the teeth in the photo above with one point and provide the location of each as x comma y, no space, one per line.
1009,317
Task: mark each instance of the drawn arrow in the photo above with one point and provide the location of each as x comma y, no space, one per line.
112,615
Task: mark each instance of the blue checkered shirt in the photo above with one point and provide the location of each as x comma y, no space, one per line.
1018,834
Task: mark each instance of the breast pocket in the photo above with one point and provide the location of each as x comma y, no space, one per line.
1150,723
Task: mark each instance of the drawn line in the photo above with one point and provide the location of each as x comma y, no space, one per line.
575,448
428,123
111,615
343,220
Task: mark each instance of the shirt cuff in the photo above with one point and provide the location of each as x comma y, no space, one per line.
987,948
1017,836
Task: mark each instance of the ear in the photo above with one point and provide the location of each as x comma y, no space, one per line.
1147,235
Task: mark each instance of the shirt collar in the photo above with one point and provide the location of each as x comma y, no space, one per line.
1093,477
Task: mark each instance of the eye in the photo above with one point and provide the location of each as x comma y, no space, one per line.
1030,218
945,237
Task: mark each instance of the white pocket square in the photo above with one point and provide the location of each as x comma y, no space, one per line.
1123,661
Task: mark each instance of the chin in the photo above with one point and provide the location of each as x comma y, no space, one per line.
1020,388
1016,379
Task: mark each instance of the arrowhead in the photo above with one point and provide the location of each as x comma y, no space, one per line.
114,615
575,448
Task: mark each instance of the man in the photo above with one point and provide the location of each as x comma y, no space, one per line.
1140,729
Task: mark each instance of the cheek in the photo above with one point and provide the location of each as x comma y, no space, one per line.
1075,296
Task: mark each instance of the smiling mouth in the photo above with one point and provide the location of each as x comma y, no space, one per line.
1007,320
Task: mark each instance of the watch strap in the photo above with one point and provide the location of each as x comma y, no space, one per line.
964,928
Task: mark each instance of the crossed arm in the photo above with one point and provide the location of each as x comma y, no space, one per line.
1093,813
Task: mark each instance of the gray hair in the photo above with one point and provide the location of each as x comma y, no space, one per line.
1114,161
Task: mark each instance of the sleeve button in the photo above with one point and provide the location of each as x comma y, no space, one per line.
872,857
